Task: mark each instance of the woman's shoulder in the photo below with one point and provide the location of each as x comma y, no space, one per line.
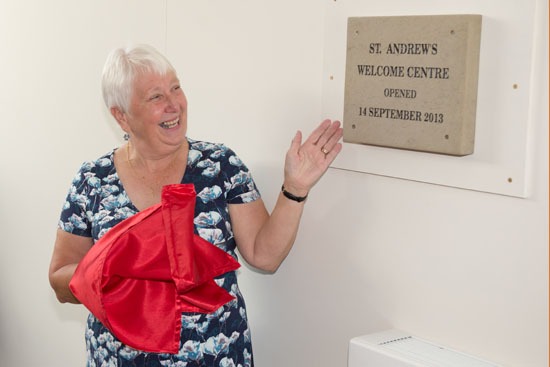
200,150
98,168
206,146
213,156
106,160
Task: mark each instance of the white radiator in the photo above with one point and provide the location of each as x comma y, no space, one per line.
394,348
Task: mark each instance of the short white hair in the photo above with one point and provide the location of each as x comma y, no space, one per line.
122,66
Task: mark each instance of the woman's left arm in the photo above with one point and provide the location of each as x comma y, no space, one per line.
263,239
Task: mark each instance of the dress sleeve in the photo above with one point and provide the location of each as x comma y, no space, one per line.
239,184
74,214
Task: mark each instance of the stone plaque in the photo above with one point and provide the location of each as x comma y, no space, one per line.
411,82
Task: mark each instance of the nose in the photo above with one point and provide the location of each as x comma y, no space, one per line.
171,103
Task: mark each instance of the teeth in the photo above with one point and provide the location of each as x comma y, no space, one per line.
169,124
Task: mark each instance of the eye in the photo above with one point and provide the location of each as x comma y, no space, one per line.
155,97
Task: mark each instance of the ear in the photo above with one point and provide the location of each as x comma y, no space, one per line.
120,118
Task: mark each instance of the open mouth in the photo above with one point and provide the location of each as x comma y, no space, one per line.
170,124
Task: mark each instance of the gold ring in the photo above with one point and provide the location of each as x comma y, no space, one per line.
324,150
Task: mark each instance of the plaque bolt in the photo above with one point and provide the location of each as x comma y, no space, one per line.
510,179
515,86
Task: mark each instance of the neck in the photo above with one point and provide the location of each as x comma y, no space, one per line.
154,163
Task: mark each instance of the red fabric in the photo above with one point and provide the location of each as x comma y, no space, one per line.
142,274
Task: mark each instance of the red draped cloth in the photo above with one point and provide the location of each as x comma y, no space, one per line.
144,272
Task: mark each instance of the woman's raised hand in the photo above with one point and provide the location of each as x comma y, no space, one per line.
306,162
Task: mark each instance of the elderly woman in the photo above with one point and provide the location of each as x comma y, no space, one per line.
143,93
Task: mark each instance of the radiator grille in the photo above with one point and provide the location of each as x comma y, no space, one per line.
394,348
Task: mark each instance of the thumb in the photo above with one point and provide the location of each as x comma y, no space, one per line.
296,142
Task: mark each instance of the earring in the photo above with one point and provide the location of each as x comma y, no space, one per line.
126,136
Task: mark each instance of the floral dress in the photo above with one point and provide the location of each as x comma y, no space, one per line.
97,201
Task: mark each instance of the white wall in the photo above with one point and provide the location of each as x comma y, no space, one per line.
462,268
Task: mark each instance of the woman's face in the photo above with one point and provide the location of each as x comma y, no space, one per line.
157,115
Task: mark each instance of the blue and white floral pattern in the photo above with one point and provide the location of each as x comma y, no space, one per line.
97,201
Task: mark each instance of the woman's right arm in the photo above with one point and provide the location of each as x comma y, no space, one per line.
69,249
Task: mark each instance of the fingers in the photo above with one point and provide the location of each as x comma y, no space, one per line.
333,152
318,132
326,131
328,142
323,140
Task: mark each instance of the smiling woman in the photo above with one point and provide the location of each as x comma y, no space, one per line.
110,205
